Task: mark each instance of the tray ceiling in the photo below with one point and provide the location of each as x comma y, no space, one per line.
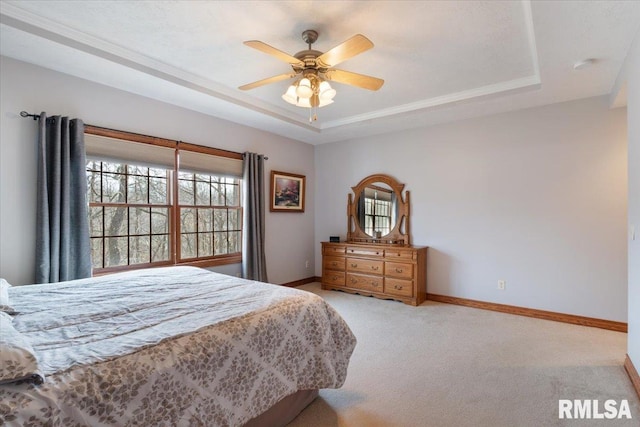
441,60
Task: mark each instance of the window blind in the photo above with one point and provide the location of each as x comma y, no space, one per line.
118,150
193,161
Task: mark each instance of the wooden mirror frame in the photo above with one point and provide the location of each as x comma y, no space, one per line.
400,233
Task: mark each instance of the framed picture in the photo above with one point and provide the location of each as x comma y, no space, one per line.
287,192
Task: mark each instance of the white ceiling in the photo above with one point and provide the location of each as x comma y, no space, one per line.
441,60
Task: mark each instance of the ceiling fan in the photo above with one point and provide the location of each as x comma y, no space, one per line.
314,71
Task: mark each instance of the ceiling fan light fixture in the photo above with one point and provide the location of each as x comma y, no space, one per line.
290,95
311,67
304,102
326,92
324,102
304,89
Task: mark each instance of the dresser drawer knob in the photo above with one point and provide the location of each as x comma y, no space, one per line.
398,270
375,267
353,280
374,284
335,264
398,287
354,265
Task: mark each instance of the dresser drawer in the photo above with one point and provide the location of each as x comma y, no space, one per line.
399,270
364,251
367,283
333,250
403,288
368,266
333,263
399,254
333,278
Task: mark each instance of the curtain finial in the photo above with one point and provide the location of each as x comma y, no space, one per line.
25,115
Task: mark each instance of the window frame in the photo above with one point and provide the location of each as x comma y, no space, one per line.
129,206
210,207
174,205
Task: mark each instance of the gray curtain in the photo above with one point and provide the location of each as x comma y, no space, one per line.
254,265
63,249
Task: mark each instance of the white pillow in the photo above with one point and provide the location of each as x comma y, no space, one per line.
4,297
18,361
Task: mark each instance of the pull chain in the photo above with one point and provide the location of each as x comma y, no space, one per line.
313,114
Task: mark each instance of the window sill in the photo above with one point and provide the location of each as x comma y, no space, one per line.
219,260
202,263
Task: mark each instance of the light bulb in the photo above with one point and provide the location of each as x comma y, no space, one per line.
304,88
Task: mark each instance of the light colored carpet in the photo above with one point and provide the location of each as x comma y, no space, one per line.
447,365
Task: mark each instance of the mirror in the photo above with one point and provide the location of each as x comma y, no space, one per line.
378,212
376,209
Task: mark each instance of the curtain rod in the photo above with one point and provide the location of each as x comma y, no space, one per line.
37,116
265,157
25,114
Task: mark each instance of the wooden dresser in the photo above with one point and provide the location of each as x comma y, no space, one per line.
382,271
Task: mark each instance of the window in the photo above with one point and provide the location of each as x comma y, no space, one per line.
210,215
129,214
143,211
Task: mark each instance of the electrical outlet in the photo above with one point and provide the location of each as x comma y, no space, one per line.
306,264
502,284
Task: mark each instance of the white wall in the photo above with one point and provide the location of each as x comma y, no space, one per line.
536,197
633,102
34,89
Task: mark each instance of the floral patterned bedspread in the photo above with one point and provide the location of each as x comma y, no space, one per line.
176,346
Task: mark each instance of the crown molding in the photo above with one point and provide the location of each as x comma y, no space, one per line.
517,85
531,82
14,16
28,22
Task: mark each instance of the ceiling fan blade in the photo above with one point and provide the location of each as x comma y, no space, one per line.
267,81
350,48
354,79
270,50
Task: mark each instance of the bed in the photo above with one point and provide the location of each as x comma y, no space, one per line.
175,346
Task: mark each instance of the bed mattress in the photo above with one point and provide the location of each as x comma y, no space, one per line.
170,346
